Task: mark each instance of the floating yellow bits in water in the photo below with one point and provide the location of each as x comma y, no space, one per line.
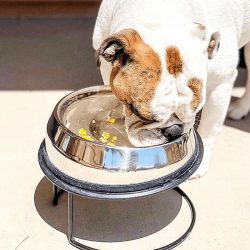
114,138
111,120
106,135
106,139
84,134
103,140
88,137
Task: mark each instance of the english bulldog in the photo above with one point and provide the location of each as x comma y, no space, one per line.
165,60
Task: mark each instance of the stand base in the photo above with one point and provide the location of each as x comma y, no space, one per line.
75,243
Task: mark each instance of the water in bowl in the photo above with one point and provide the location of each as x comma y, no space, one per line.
92,112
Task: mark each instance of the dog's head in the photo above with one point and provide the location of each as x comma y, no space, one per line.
161,81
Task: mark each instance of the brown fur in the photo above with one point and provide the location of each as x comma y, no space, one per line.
135,82
173,60
201,27
211,47
195,85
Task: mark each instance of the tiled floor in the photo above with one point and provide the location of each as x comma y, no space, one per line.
45,61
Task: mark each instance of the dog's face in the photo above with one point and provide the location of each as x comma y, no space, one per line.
161,81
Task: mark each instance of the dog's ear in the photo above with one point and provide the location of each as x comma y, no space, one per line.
110,51
119,46
212,39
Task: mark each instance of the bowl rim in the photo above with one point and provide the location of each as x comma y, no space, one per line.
99,88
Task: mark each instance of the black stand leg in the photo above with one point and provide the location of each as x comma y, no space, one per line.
170,246
56,194
70,235
188,231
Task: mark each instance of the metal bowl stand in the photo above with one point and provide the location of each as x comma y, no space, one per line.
47,168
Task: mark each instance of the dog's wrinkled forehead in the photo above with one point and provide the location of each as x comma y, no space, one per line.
138,69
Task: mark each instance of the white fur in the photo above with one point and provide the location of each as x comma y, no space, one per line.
161,23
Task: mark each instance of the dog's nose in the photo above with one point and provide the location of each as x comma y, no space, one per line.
173,131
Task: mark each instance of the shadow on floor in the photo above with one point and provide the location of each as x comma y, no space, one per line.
109,221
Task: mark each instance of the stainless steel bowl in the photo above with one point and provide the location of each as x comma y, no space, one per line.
96,162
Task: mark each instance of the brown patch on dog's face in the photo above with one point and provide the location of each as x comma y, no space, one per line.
195,85
136,72
173,60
